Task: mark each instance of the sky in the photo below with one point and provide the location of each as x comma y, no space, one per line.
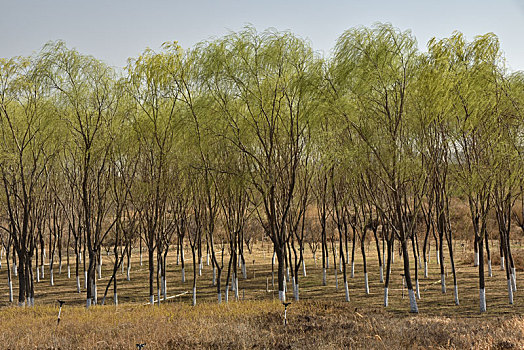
114,30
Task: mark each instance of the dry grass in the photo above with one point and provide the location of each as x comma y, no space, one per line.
251,324
322,319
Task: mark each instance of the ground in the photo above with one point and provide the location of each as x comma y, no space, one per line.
321,319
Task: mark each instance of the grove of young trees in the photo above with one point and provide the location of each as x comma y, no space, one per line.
255,135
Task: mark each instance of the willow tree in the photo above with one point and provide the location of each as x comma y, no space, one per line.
157,119
473,67
433,107
370,83
87,101
28,142
266,87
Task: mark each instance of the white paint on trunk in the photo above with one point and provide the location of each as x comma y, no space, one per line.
282,296
490,272
304,268
340,263
99,271
443,282
88,303
418,289
381,274
60,268
482,294
128,273
151,300
352,269
194,296
244,271
324,282
297,296
207,259
219,297
140,259
95,293
502,264
510,291
274,257
10,291
366,282
51,276
183,275
386,297
476,263
200,269
214,276
227,293
346,289
425,269
15,269
115,297
438,256
42,272
85,279
37,275
412,301
287,273
236,288
78,284
514,278
68,271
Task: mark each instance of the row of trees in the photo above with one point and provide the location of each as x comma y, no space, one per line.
255,130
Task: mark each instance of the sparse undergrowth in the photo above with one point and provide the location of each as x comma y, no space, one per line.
251,324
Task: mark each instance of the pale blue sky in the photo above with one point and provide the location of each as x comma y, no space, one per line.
115,30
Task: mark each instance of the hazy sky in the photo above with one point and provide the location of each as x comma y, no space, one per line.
115,30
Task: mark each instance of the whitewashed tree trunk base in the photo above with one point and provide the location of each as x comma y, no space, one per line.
68,272
346,289
514,278
10,291
456,289
366,282
194,296
183,275
510,291
490,271
443,282
386,296
282,296
418,289
115,297
78,284
476,263
502,264
482,294
425,269
412,301
324,281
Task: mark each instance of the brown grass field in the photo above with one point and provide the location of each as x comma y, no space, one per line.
321,319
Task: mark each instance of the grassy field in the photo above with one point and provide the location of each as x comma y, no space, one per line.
321,319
